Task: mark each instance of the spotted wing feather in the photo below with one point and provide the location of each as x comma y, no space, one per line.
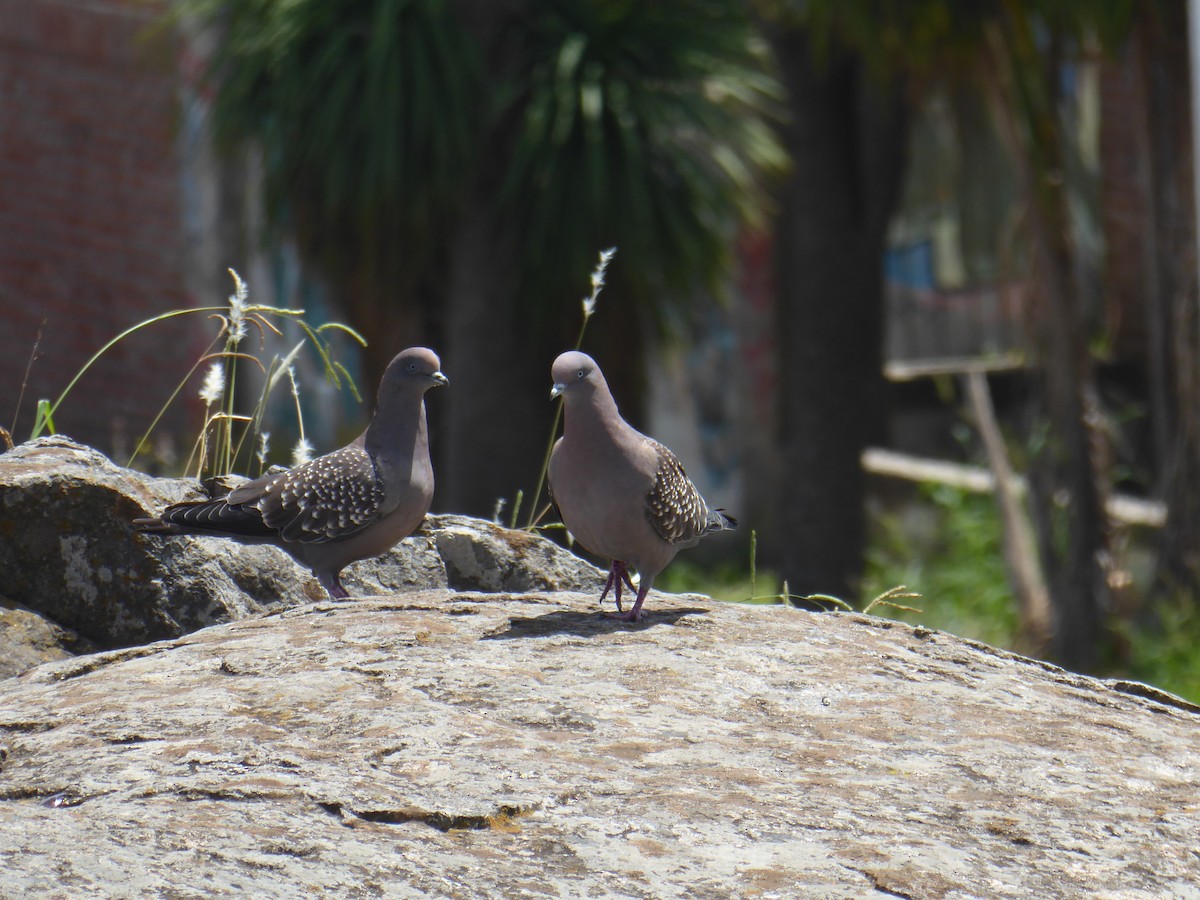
326,499
674,506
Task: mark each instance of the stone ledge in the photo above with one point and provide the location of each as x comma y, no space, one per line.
447,744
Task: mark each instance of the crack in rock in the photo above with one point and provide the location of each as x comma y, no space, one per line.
94,663
1149,692
499,820
879,887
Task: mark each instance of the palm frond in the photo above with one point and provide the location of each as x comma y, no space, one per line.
634,128
366,112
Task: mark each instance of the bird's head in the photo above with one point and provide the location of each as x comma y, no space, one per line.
574,372
417,368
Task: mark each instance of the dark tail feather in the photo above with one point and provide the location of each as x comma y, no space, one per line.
155,526
213,517
719,520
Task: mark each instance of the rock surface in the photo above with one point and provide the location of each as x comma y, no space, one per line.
28,639
441,744
68,553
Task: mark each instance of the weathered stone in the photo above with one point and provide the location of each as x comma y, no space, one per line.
27,640
481,556
68,552
441,744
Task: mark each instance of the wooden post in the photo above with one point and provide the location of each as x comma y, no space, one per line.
1020,548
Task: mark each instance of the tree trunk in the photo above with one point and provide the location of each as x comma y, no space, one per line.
1067,470
498,409
498,403
1173,316
1065,476
847,140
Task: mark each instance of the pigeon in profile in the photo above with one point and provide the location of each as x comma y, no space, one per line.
622,495
351,504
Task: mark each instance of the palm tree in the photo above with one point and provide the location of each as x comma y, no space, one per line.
365,115
452,169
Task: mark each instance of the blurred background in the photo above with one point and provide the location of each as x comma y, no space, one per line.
909,287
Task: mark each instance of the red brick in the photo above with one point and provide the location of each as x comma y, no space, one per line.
90,218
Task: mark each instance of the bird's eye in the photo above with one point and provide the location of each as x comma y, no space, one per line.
412,367
582,373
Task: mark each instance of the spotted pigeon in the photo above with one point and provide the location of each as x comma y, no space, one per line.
351,504
622,495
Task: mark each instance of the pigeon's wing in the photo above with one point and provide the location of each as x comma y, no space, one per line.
326,499
674,507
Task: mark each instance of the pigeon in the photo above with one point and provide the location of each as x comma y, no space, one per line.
351,504
621,494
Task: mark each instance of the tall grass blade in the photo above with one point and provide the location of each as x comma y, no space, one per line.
33,352
589,308
44,418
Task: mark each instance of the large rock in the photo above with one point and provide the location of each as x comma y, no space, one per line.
28,639
482,556
69,553
442,744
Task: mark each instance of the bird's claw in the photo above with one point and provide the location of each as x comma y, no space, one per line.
626,616
616,575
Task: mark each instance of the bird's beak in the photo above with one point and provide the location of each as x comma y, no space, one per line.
439,380
557,390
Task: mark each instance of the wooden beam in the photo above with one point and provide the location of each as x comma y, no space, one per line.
911,371
889,463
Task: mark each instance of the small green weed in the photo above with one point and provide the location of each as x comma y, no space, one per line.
732,583
1164,653
948,544
216,451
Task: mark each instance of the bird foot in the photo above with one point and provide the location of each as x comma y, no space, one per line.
333,586
628,615
617,575
634,614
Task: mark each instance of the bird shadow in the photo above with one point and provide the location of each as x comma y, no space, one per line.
587,624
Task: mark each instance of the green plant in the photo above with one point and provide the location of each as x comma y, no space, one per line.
728,581
1163,652
947,544
737,585
215,450
607,99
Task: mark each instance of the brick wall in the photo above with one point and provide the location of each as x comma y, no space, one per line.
90,214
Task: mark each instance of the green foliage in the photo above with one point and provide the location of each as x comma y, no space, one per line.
643,124
931,39
1163,653
729,581
910,36
732,583
946,543
367,113
948,547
